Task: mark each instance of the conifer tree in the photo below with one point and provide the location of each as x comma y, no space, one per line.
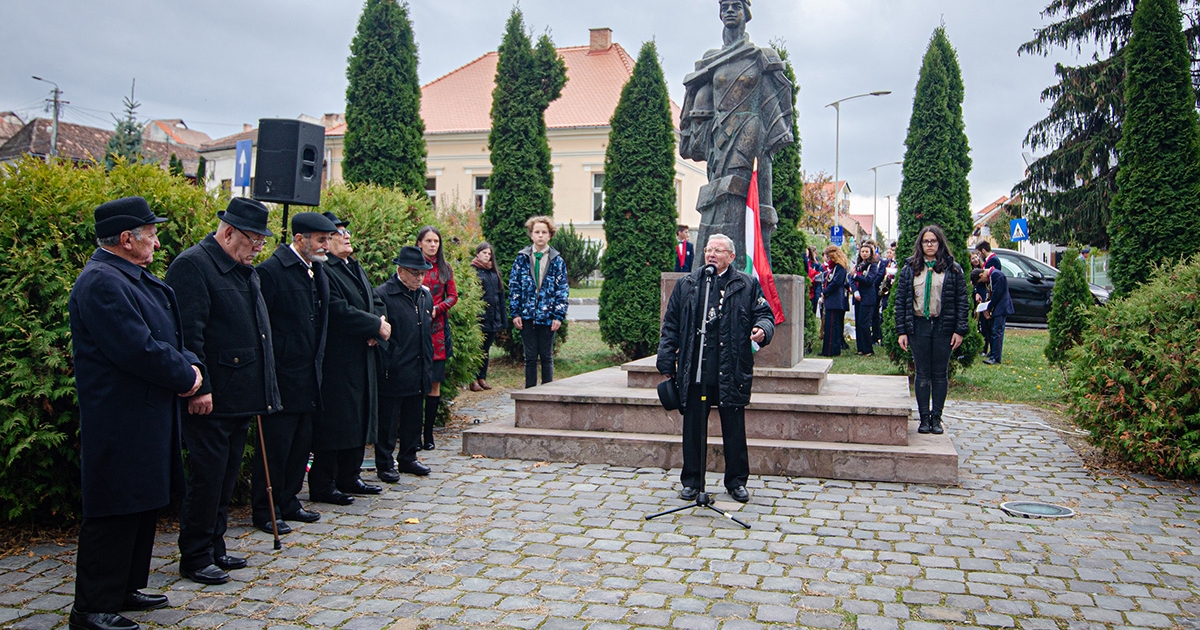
936,159
175,165
787,188
1067,316
528,79
126,141
201,171
639,209
1156,211
385,141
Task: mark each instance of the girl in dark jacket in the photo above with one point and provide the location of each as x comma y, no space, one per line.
440,282
833,293
494,316
931,320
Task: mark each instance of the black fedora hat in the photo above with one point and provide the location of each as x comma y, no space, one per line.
668,395
246,214
336,221
122,214
309,222
411,258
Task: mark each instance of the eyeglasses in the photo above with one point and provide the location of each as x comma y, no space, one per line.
715,250
257,242
343,231
926,241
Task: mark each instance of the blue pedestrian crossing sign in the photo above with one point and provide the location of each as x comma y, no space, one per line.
1018,230
241,163
835,235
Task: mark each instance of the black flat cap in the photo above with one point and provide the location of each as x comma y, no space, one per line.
336,221
246,214
122,214
309,222
411,258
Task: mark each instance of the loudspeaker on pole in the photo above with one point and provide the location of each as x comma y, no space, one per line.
289,162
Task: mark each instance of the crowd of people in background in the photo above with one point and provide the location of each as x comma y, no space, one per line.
301,346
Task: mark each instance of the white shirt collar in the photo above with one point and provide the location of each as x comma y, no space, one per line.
298,255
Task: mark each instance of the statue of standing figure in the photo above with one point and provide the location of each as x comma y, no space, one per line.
738,107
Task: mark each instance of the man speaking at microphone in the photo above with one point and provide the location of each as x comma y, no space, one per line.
713,319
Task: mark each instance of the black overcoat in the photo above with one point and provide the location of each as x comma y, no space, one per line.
298,304
742,308
130,367
218,297
351,412
495,314
408,362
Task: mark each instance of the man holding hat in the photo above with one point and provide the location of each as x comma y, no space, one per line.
349,420
131,370
225,323
296,291
408,366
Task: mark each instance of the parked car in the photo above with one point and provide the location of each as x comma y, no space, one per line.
1031,283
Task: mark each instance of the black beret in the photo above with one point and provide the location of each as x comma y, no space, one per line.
122,214
308,222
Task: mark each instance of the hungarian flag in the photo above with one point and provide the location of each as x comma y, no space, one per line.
757,264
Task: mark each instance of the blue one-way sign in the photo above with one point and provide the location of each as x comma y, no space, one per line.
1018,230
241,163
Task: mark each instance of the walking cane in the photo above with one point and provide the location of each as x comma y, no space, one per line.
262,448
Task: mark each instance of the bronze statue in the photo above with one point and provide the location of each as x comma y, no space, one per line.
738,107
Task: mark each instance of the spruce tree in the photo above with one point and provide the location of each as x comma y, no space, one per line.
936,159
126,141
639,209
385,136
1068,308
1156,211
528,79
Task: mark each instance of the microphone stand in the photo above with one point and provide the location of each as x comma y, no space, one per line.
704,499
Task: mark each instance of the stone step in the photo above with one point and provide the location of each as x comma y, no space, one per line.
806,377
927,459
850,409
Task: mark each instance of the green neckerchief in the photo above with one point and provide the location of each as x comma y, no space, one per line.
537,269
929,265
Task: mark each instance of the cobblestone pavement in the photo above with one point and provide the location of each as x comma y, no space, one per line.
486,543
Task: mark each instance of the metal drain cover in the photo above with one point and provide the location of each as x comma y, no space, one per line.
1033,509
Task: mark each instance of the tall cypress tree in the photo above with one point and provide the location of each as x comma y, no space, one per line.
528,79
1156,211
936,158
639,209
385,136
787,188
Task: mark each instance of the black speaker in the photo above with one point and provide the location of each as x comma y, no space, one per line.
287,168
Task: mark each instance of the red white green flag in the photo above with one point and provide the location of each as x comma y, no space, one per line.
757,264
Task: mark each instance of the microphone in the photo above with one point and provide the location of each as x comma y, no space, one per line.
709,270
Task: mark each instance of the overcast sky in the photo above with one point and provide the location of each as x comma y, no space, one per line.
221,63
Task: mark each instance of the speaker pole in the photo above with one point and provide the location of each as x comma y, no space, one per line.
285,213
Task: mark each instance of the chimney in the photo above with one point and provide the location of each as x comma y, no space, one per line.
601,39
247,127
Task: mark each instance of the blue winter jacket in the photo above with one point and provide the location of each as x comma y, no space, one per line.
541,306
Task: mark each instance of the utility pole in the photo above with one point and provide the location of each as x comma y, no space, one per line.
53,127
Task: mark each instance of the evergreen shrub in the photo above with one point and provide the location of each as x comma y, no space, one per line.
581,255
1135,377
1068,307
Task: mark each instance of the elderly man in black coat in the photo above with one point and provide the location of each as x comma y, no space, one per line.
131,370
295,288
357,327
407,366
225,323
737,316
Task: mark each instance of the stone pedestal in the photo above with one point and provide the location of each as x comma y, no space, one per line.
787,346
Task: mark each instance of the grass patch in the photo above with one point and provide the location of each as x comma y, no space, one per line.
583,351
585,292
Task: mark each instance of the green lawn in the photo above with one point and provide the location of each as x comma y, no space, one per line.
585,292
583,352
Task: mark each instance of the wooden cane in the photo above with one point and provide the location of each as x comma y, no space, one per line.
262,448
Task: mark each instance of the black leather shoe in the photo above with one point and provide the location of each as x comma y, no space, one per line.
923,427
99,621
334,497
208,575
413,468
689,494
302,516
284,528
935,424
740,494
358,487
137,600
229,563
429,446
390,476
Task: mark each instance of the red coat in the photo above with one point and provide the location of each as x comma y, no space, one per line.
445,296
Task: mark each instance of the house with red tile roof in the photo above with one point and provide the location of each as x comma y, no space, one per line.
85,145
176,132
10,124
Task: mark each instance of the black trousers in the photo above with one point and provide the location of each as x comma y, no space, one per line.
701,399
931,357
985,329
399,427
488,338
864,327
832,325
215,446
113,559
877,322
334,469
288,437
539,347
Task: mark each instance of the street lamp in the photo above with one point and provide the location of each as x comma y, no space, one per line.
875,205
889,216
837,147
54,127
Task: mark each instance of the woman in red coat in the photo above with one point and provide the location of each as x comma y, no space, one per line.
440,282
